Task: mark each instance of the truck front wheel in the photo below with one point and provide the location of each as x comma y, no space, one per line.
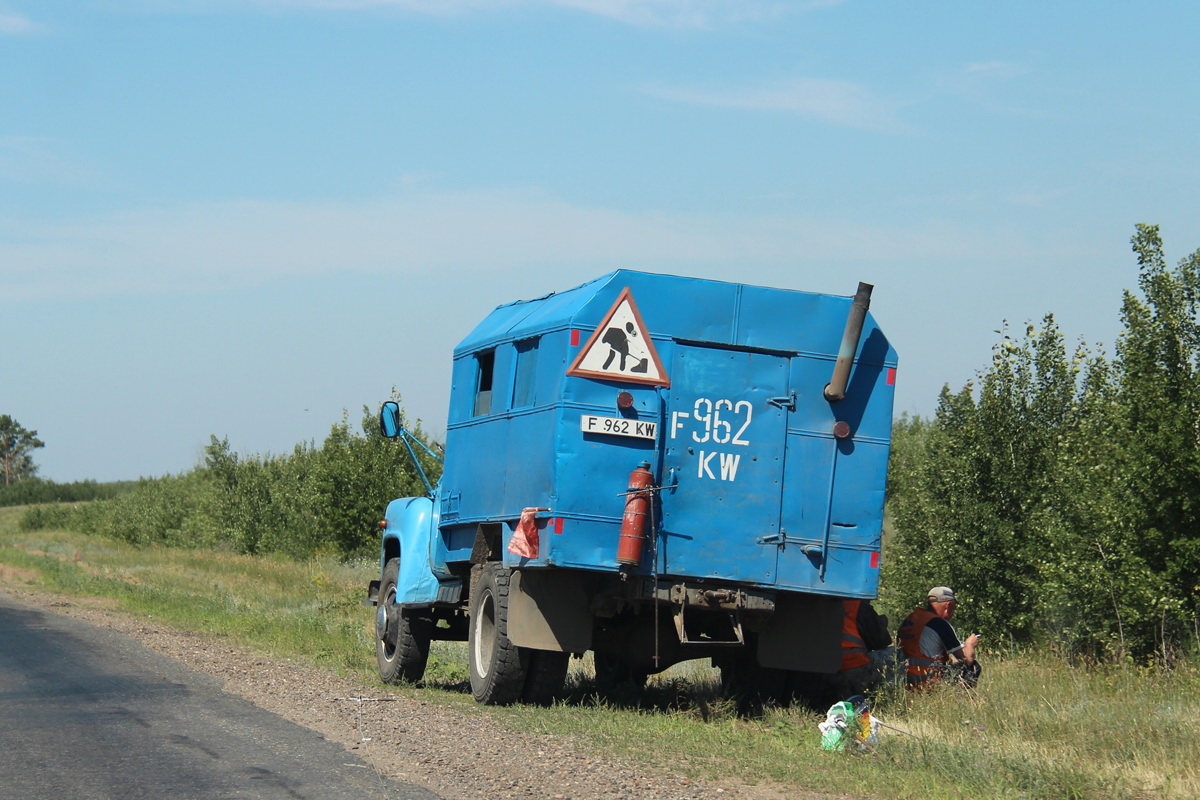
498,667
401,636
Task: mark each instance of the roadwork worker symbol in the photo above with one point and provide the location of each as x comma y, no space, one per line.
620,348
619,340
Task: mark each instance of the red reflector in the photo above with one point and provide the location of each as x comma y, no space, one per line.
574,338
558,524
383,523
874,560
891,376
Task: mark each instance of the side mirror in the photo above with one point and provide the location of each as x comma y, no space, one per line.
389,420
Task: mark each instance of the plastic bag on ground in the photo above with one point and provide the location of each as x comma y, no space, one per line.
849,722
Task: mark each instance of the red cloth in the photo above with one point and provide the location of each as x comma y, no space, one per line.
525,542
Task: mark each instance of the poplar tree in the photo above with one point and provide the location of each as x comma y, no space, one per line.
16,447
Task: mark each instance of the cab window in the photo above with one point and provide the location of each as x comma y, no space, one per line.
525,380
485,367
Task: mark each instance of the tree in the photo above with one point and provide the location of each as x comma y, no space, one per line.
976,493
1061,494
16,447
1159,400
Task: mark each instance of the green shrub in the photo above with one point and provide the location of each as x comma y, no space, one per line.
47,517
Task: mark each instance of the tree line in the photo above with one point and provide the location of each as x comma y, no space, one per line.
1061,493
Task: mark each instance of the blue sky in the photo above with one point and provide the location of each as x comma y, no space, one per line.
242,217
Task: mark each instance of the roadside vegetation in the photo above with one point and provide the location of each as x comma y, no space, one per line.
317,500
1035,728
1055,493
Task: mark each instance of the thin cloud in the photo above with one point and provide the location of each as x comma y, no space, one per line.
1037,197
32,159
982,82
676,13
14,24
459,236
1005,70
644,13
831,101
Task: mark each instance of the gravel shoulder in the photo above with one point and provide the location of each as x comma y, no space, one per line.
452,753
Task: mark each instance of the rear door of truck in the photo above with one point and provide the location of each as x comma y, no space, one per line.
724,448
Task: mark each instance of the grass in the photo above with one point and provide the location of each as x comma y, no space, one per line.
1035,728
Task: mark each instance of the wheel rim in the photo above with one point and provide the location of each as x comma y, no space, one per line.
385,626
485,634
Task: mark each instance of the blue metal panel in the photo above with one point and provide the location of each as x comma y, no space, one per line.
675,308
808,477
724,449
530,474
791,321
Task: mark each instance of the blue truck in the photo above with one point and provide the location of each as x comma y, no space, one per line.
653,468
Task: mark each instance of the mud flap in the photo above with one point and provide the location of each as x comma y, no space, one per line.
550,611
804,633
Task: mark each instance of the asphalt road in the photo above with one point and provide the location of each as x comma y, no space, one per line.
90,714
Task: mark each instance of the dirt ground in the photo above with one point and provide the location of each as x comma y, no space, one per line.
452,753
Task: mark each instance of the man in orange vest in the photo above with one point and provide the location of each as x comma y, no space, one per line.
867,654
931,645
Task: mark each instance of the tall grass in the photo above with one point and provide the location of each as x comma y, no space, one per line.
1035,728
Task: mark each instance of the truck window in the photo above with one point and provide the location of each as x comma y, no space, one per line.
484,368
525,381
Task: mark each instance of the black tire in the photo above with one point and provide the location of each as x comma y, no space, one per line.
613,673
753,686
816,691
547,673
498,667
402,636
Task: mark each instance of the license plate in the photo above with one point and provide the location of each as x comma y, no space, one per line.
618,426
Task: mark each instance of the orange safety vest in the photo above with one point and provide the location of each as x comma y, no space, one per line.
854,649
923,671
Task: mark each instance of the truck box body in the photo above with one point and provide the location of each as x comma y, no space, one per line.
761,490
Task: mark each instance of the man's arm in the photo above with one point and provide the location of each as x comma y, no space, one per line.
957,650
872,627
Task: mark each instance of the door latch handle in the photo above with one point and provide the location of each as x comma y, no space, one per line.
788,402
782,540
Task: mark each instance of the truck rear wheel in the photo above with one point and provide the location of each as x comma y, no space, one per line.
613,673
752,685
401,636
498,667
547,673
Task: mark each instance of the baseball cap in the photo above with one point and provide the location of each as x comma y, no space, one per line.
941,594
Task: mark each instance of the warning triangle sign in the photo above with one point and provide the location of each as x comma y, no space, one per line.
620,348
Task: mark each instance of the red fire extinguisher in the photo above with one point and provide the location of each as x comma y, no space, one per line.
637,507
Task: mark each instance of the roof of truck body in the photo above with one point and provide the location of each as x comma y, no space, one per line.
691,309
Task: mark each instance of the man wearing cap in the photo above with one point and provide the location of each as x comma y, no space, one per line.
930,643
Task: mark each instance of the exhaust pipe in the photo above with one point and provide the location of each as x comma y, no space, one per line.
836,388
